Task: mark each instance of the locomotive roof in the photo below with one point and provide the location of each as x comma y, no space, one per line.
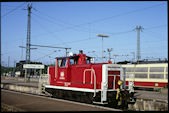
72,57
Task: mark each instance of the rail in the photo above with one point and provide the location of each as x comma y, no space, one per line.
84,76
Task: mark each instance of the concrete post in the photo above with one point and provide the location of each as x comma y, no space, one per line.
25,75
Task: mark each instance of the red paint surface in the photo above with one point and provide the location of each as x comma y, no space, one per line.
111,82
148,84
73,75
113,72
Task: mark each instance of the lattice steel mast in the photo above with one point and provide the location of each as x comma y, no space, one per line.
138,28
28,34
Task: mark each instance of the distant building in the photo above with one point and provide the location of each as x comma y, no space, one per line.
19,67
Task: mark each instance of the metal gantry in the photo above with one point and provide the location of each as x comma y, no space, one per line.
51,47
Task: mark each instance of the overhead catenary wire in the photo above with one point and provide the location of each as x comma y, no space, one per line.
47,30
12,10
60,25
51,21
118,33
153,41
4,5
54,20
153,34
122,14
111,34
115,33
98,20
49,46
155,27
45,55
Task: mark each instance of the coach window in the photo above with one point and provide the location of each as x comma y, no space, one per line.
157,76
157,69
129,69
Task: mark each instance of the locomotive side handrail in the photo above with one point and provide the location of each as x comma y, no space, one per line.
94,82
56,66
114,82
92,71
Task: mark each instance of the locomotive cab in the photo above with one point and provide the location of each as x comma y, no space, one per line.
65,64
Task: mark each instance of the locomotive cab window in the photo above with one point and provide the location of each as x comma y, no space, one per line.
62,62
71,62
88,60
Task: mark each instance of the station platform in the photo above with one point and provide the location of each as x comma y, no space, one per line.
151,95
29,103
21,83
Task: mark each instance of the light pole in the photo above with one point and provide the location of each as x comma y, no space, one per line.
103,36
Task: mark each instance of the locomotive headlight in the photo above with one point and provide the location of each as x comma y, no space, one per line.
120,82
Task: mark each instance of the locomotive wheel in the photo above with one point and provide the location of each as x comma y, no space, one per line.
78,97
82,97
69,95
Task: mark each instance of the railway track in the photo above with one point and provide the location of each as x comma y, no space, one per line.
63,105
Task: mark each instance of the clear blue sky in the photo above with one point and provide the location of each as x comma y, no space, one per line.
76,24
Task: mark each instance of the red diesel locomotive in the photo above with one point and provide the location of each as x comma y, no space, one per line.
76,78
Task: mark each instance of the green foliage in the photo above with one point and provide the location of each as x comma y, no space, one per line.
6,69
